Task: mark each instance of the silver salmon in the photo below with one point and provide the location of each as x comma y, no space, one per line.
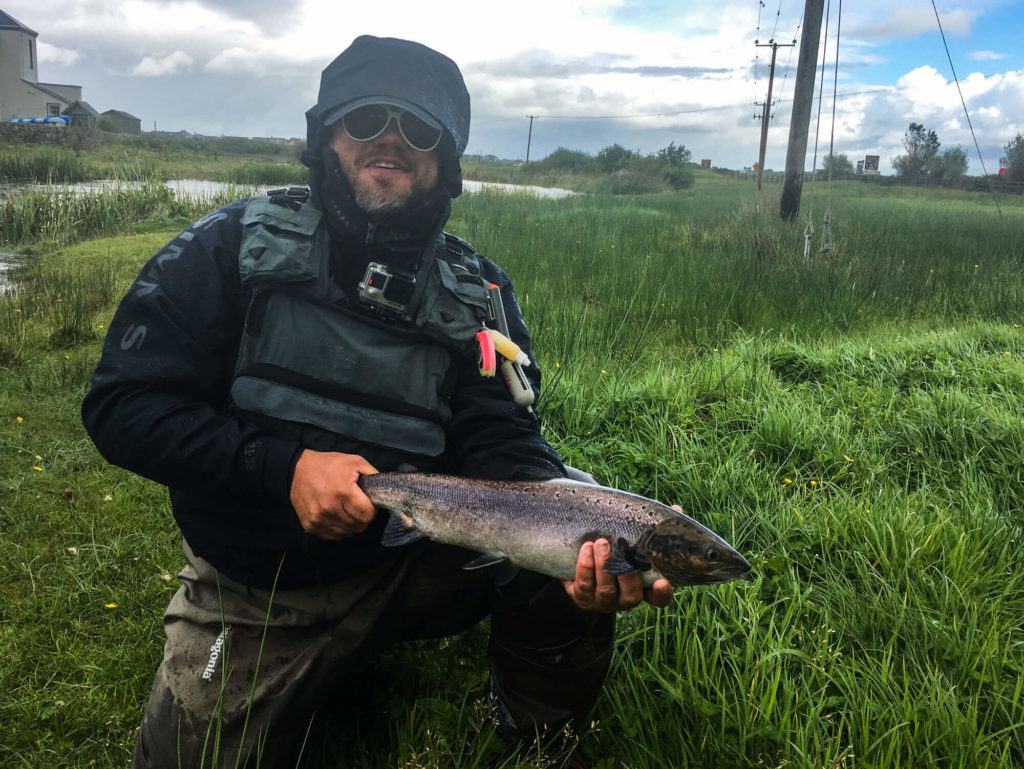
541,525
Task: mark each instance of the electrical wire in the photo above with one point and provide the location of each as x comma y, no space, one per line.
966,113
809,229
778,13
827,244
757,39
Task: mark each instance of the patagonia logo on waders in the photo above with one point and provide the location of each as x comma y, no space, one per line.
215,652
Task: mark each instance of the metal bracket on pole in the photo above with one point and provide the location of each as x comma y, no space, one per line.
826,245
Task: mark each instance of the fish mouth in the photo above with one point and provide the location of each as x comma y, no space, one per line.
682,576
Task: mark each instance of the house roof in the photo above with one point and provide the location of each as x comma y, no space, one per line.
121,113
42,87
9,22
80,107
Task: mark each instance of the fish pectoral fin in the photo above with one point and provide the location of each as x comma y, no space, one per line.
623,561
503,570
399,531
485,560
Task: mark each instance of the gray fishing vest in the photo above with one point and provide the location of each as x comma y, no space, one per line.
307,358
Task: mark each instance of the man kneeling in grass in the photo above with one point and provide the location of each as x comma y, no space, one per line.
278,349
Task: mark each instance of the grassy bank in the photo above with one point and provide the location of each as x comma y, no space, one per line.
215,160
854,425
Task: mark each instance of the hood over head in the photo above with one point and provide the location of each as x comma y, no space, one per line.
402,73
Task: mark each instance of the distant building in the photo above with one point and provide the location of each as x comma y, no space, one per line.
125,123
81,114
21,93
705,163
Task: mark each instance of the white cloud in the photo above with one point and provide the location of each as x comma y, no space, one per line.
918,19
51,54
170,64
240,61
986,55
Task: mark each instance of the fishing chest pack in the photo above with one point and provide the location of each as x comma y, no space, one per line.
310,361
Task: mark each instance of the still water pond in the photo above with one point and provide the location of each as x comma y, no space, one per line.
200,189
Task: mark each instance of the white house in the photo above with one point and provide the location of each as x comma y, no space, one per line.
21,93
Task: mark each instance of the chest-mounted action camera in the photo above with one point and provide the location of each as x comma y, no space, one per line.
386,289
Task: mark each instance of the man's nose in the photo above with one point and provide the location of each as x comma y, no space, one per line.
391,130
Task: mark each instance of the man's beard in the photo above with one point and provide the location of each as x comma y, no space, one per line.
379,201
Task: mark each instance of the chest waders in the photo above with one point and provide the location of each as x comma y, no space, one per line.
310,363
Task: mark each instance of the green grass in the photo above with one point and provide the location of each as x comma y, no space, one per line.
854,425
144,157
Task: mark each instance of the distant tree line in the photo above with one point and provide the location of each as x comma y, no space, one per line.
628,170
922,159
1013,161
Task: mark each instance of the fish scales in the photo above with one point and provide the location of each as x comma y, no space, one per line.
542,525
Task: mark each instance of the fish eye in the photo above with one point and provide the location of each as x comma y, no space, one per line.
712,554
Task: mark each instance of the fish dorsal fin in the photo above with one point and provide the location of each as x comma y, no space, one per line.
399,531
624,560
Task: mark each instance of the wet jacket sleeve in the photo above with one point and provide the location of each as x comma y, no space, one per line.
490,436
158,401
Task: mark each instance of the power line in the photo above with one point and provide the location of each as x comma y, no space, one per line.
757,39
778,13
966,113
796,35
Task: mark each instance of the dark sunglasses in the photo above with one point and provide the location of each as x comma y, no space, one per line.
369,122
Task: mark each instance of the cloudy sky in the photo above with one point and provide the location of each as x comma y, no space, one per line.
638,72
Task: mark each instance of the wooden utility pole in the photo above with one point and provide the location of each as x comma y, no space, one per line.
767,107
800,122
529,137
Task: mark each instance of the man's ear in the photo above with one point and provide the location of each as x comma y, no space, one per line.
449,170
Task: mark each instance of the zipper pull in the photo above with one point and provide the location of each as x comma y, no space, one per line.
370,227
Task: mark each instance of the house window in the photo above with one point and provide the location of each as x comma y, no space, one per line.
52,109
31,54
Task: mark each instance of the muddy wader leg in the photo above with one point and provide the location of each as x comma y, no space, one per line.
548,658
239,686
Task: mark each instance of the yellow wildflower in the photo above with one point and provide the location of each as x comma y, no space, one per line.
37,468
847,458
111,605
20,420
787,480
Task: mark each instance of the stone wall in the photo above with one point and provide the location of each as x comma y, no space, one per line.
47,133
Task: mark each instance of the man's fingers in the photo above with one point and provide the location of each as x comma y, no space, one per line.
631,591
659,594
607,585
585,566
